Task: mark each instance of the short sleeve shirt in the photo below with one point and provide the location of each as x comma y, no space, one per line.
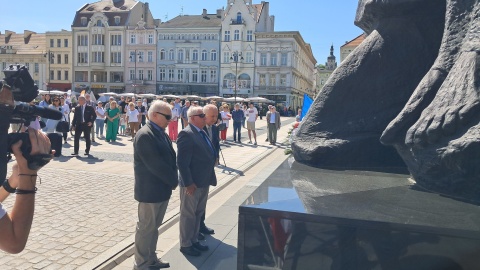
132,115
252,114
2,211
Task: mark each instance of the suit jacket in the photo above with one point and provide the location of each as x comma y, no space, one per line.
154,165
215,139
277,119
195,159
89,115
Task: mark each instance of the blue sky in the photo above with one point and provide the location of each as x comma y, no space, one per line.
321,22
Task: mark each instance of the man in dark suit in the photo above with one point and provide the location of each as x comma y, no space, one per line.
154,164
211,119
83,119
196,161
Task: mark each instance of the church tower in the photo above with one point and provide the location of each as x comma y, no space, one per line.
331,63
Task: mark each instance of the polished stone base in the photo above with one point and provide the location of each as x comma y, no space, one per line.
307,218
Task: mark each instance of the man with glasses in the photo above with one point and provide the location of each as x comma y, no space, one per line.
156,176
196,161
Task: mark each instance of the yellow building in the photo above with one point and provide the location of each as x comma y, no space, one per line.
58,50
349,46
27,48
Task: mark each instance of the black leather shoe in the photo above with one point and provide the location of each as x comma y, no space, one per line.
199,246
201,236
74,154
206,230
190,251
86,153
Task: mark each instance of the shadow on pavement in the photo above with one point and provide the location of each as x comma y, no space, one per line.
216,257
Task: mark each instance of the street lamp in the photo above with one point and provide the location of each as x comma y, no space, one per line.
134,58
51,57
236,57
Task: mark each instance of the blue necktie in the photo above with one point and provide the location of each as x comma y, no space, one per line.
205,136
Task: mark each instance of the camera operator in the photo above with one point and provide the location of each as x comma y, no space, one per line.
15,226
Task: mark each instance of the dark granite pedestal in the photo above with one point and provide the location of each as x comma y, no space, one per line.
308,218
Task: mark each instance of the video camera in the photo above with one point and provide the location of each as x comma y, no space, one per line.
24,90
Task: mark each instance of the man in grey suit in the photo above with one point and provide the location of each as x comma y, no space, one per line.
273,124
156,176
196,161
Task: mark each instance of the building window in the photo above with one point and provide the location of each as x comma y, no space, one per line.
59,58
213,75
284,59
204,55
117,20
116,39
180,55
194,75
82,40
98,39
162,54
97,57
81,76
227,36
273,59
283,79
171,55
36,67
236,35
140,74
263,80
273,80
66,58
52,58
229,81
263,59
162,74
180,75
52,73
213,55
203,76
116,77
83,21
141,56
132,74
99,23
59,75
226,57
51,42
65,75
59,43
65,43
150,39
133,39
150,75
116,57
82,58
195,55
249,35
171,75
150,56
248,57
239,17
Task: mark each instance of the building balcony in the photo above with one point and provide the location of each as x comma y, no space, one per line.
138,82
237,22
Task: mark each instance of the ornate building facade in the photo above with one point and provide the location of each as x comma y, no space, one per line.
59,60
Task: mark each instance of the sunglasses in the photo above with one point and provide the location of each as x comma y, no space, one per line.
202,115
55,100
167,116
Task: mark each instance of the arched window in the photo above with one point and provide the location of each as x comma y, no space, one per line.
162,54
239,17
195,55
99,23
243,81
213,55
229,81
236,35
171,55
180,55
204,55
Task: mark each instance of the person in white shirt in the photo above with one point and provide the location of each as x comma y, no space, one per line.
251,118
100,121
66,115
132,119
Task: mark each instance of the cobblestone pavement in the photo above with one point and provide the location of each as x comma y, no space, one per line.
85,207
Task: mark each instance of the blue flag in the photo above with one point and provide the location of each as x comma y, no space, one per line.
307,102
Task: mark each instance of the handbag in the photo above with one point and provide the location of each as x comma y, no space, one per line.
222,126
63,126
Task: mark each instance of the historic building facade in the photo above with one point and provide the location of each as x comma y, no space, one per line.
284,68
323,73
99,33
349,46
28,49
241,21
59,60
188,54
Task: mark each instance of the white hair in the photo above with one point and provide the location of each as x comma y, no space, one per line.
156,106
194,111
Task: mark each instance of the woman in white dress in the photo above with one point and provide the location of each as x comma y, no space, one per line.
51,124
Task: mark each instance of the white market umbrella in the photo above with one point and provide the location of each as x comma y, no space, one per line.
192,97
259,100
232,99
215,98
170,96
148,95
113,94
126,95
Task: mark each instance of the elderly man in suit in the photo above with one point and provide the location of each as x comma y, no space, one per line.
82,122
154,164
273,123
196,161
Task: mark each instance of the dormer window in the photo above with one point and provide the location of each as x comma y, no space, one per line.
117,20
83,21
239,17
99,23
